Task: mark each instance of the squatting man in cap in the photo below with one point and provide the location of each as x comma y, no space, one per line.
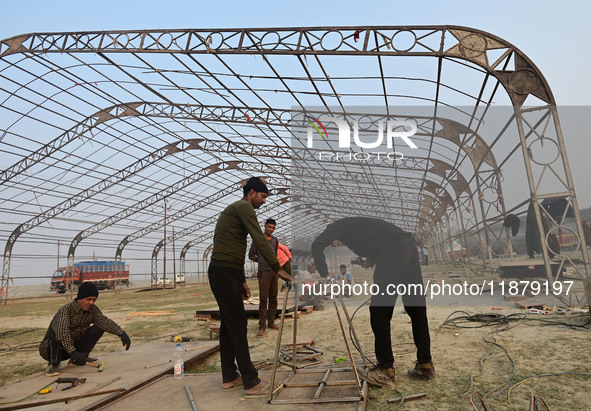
228,284
71,335
395,254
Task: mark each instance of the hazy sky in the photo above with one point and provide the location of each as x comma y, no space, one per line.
552,34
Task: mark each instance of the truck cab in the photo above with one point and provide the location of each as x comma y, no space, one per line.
64,279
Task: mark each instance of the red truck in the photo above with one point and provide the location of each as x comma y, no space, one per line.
105,274
568,241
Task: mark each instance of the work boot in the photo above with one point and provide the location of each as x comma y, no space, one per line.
424,371
53,370
380,376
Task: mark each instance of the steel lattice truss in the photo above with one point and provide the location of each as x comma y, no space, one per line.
102,130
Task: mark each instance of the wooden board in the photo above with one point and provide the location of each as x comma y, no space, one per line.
123,369
252,310
526,269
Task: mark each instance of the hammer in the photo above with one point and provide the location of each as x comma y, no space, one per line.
100,365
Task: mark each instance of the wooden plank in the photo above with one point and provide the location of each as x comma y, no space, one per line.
123,369
526,269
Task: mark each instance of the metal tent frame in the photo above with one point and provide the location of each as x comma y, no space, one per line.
98,129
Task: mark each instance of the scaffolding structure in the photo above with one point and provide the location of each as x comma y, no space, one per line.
99,129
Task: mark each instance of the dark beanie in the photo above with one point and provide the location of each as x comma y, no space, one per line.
257,185
87,289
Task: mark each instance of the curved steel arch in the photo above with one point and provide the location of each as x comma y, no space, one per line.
450,131
206,222
470,45
192,243
202,173
171,238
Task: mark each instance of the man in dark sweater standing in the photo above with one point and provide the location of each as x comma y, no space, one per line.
267,281
395,254
228,284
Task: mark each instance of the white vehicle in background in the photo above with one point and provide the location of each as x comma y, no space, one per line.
161,281
180,279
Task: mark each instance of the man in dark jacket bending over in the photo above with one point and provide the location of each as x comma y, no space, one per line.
395,254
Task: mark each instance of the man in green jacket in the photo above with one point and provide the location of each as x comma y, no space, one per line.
228,284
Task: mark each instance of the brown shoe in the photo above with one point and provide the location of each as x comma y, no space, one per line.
379,376
424,371
273,327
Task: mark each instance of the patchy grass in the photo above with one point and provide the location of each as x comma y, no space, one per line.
535,347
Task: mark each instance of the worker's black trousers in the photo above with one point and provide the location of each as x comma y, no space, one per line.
226,284
398,272
85,344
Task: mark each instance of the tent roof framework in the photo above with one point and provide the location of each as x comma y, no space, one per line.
101,130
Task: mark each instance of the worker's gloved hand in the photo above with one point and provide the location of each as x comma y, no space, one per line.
78,358
125,340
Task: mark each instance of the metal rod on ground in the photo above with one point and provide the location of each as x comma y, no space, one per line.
278,345
321,384
64,399
156,365
348,349
407,398
357,344
190,395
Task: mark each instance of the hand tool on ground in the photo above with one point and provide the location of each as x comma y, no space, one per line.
100,365
178,338
73,381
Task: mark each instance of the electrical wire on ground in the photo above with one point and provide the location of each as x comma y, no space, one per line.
500,323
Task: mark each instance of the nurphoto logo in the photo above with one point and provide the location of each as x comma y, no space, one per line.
402,129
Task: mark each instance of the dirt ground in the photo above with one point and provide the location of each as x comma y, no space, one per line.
505,362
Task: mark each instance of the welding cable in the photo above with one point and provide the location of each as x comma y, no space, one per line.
481,368
354,340
510,388
402,397
485,320
495,343
536,317
4,350
467,392
28,396
479,320
31,346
